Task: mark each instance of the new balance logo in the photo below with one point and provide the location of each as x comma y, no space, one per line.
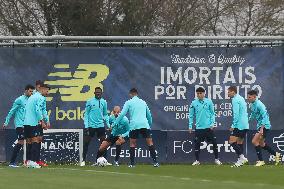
80,85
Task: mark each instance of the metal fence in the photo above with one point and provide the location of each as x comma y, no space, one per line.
140,41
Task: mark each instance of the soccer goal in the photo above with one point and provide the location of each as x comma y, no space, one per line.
61,145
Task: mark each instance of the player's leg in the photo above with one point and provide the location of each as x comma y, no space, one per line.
132,142
266,147
34,148
256,142
121,140
233,141
88,133
240,143
101,135
28,149
146,133
212,138
18,146
30,133
40,140
104,145
198,138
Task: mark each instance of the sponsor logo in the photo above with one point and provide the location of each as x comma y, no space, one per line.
279,141
77,86
187,147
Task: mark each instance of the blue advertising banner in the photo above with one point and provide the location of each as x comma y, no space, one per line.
165,77
171,147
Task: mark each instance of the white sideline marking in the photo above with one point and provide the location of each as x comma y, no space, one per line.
162,176
119,173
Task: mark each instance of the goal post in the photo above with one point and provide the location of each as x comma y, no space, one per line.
61,145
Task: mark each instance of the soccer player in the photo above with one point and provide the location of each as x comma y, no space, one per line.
240,125
94,118
203,110
119,134
18,110
259,112
140,122
39,83
35,116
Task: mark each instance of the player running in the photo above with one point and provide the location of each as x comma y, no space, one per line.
140,122
18,110
94,117
35,116
203,110
240,125
119,135
259,112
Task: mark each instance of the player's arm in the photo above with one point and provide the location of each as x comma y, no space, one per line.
86,114
191,117
149,116
122,113
111,121
264,115
212,115
126,123
45,114
252,114
38,110
12,111
106,117
236,113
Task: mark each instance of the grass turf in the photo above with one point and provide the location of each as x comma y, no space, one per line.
143,176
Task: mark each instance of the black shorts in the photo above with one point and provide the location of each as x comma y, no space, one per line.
112,139
205,134
265,131
239,133
30,131
99,132
145,133
20,133
40,130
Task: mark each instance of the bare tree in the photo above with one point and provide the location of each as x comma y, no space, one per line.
141,17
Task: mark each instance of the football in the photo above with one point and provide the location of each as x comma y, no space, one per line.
101,162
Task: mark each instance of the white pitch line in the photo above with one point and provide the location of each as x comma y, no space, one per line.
162,176
131,174
147,175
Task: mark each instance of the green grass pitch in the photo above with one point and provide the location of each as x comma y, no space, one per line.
143,176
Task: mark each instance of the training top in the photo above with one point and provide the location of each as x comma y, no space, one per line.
96,113
259,112
203,110
18,109
122,129
35,110
139,114
240,115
